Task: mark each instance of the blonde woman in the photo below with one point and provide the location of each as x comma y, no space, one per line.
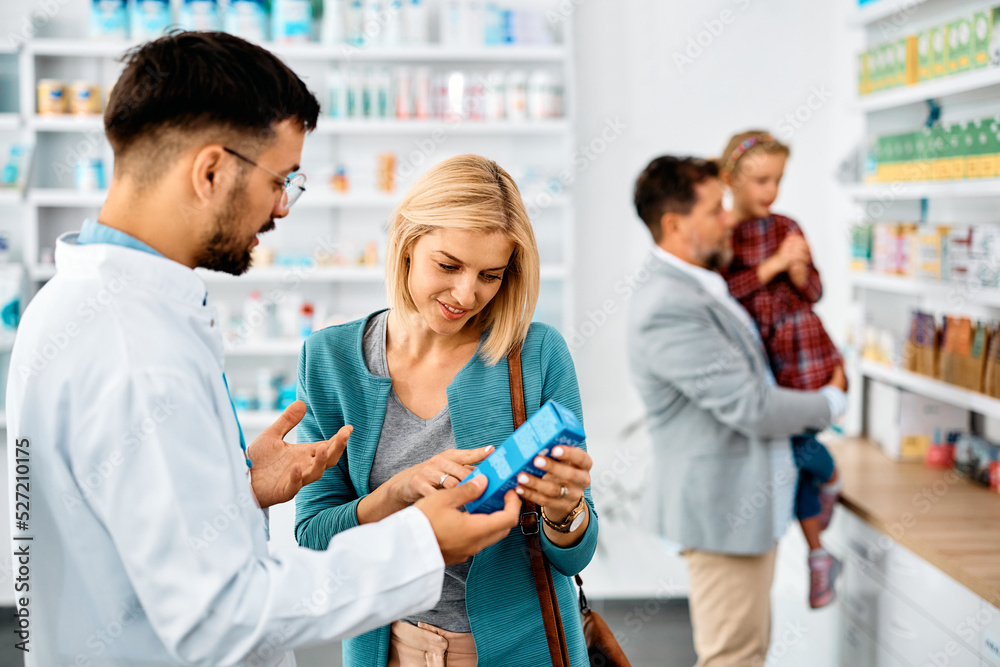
425,386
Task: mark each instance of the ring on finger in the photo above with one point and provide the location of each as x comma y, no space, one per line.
443,477
563,491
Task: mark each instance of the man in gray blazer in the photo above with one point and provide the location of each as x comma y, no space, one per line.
723,477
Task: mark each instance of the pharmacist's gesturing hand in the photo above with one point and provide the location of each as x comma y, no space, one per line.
444,470
567,467
281,468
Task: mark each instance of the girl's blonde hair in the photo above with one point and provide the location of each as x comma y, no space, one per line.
745,145
470,193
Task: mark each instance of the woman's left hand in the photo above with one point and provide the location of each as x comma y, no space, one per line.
565,468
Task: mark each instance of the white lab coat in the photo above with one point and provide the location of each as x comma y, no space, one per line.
148,547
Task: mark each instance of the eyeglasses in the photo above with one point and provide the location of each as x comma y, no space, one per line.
294,184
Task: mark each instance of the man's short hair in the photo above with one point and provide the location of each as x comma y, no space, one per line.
667,185
189,85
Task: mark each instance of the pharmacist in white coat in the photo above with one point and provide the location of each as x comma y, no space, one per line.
138,532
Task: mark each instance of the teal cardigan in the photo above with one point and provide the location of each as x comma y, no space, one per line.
501,601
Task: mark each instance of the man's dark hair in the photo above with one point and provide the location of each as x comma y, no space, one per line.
189,83
667,185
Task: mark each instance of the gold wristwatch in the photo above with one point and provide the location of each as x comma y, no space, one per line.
572,520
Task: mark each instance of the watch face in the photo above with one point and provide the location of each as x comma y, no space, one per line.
577,521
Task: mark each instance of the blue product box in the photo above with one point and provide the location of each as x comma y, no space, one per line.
149,18
109,19
248,19
552,425
201,15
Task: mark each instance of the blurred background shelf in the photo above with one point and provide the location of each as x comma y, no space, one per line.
925,386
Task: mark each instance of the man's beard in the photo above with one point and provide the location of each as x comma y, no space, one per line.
225,249
719,259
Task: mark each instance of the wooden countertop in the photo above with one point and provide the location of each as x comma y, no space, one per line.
943,518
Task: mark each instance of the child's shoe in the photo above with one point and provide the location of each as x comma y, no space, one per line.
823,572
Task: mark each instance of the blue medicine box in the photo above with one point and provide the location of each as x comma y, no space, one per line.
552,425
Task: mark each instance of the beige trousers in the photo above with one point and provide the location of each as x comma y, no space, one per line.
730,606
425,645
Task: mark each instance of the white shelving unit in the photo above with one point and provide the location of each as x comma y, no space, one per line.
956,84
925,386
914,190
986,296
963,96
10,121
53,203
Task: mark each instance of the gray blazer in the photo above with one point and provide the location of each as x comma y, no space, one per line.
712,416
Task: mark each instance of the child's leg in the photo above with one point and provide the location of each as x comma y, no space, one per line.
807,509
811,455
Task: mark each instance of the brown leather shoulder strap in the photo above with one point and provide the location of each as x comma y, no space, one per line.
531,525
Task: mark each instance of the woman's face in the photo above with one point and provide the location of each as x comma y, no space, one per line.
454,274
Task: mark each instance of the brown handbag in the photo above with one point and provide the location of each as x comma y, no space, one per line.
602,647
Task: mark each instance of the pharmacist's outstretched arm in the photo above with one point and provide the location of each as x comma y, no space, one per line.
281,468
462,535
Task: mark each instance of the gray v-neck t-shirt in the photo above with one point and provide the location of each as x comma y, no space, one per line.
407,440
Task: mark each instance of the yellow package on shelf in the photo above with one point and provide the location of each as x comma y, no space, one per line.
911,72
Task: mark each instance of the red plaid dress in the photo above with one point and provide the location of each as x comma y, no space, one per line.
801,353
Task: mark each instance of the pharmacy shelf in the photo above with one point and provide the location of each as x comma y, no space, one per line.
257,420
41,272
883,9
59,198
10,197
329,199
293,275
986,296
445,128
906,190
420,54
10,121
931,388
267,348
949,85
341,52
66,123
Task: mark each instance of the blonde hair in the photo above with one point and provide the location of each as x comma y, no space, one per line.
761,142
470,193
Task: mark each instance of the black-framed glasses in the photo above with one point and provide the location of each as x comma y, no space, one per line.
294,184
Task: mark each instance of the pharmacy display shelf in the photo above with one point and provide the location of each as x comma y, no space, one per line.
955,84
66,123
419,54
913,190
986,296
257,420
41,272
10,197
325,199
884,9
65,198
10,121
444,128
264,348
293,275
931,388
315,51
